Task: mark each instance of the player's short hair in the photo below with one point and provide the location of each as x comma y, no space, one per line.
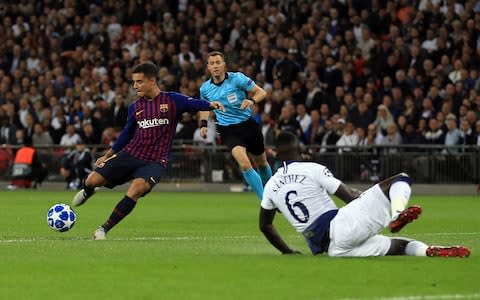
215,53
286,143
149,69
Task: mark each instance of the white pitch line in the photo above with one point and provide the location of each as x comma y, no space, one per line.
145,238
187,238
444,233
17,241
424,297
197,238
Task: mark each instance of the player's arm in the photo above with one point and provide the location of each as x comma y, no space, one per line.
203,115
256,95
185,103
270,232
346,193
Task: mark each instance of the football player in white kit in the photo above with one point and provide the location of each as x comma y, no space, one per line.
301,192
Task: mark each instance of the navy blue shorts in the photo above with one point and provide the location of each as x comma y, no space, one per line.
247,134
317,234
122,167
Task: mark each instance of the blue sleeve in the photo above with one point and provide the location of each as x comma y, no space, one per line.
244,82
189,104
127,131
202,93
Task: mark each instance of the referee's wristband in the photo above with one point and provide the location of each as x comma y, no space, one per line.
203,123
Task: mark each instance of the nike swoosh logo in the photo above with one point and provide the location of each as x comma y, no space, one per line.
138,112
152,179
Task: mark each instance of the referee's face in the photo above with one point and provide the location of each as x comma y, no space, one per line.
216,65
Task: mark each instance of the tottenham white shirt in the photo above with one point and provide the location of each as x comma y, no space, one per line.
300,190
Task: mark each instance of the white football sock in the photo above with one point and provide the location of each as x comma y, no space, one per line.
399,195
416,248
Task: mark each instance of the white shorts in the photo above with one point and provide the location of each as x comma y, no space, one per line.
354,230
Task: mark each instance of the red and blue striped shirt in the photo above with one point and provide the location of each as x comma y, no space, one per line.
151,123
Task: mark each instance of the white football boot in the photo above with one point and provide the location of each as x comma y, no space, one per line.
100,234
82,197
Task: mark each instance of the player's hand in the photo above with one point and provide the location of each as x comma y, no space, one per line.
217,105
203,132
100,161
246,103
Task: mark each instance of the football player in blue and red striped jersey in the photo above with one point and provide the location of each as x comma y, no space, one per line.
141,152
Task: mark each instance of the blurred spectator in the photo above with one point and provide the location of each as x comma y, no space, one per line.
41,138
119,112
186,127
287,122
328,137
285,70
90,135
416,59
268,129
27,169
314,95
452,136
265,64
348,138
76,165
303,118
383,119
361,116
7,131
467,136
477,133
332,76
434,134
70,138
314,128
392,138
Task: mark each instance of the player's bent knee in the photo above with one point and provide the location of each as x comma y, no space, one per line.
94,179
403,177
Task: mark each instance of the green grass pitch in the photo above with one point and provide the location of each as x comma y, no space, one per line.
207,246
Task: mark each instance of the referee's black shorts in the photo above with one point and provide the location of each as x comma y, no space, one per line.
246,134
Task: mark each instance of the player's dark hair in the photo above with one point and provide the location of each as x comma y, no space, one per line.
287,146
215,53
149,69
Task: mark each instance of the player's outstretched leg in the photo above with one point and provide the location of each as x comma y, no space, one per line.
89,187
123,208
82,196
404,246
452,251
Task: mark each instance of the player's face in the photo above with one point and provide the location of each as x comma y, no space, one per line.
143,85
216,65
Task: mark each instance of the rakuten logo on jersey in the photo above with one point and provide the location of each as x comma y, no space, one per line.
152,123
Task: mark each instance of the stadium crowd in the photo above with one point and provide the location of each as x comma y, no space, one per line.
342,73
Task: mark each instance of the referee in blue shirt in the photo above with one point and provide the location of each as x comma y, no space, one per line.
238,93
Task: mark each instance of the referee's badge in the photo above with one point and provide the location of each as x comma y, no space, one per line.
232,98
163,108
